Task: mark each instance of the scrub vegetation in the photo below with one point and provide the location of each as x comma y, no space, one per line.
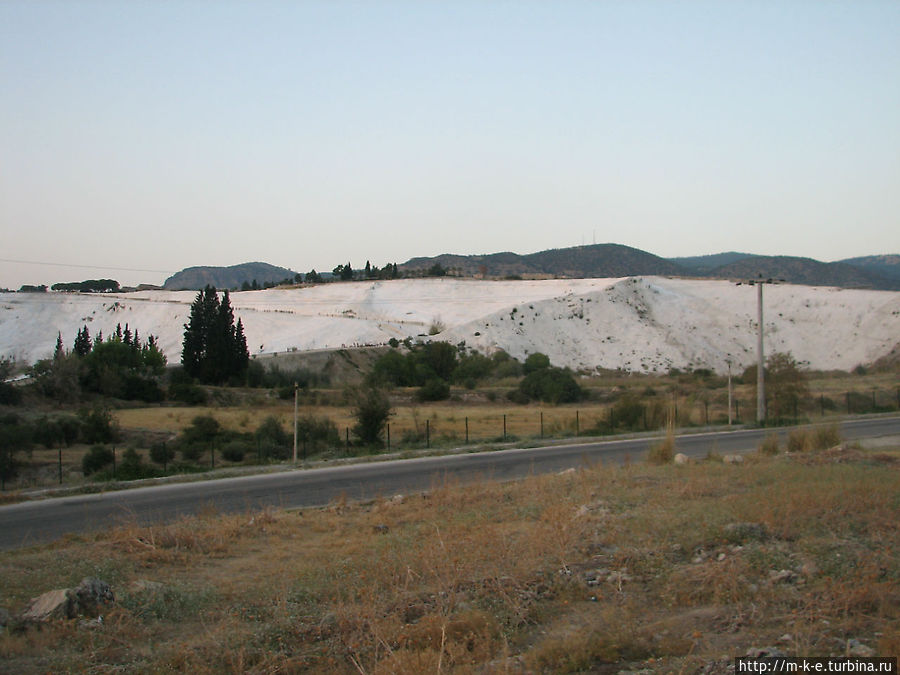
656,568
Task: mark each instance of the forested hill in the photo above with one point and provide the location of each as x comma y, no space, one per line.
234,277
594,261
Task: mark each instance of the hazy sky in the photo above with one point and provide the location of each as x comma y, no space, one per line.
138,138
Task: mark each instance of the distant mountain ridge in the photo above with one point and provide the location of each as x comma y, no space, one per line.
805,271
710,262
883,265
195,278
878,272
594,261
615,260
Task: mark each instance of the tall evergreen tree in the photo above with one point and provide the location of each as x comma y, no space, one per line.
241,355
82,345
213,350
60,351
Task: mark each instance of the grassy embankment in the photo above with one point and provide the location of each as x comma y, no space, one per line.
665,568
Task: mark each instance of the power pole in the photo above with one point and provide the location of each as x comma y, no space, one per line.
729,392
295,422
761,361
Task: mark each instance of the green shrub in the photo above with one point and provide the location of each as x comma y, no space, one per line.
132,466
234,451
515,396
372,412
317,433
628,412
434,390
97,458
188,393
551,385
536,361
98,426
162,453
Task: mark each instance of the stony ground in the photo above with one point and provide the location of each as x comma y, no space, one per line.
639,568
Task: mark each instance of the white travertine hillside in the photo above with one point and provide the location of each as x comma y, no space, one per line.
639,324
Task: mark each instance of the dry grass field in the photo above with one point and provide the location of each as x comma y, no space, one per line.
639,567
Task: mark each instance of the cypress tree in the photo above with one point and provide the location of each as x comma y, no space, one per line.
82,345
213,350
193,346
241,353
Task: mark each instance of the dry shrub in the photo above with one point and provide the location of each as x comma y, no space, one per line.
585,638
864,593
208,535
799,440
663,452
574,653
723,582
889,643
825,437
769,445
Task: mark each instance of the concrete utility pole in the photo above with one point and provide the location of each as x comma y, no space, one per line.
295,422
761,359
729,392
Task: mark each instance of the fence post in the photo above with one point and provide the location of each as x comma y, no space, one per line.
467,430
542,415
60,464
346,440
706,407
848,402
577,424
388,438
504,426
114,461
427,433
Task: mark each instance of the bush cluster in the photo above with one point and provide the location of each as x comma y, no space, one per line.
270,440
434,366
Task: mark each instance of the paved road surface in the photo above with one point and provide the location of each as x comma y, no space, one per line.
40,521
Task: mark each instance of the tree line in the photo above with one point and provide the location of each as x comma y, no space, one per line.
346,272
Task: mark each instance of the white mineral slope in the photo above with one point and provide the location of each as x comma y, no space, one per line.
638,324
653,324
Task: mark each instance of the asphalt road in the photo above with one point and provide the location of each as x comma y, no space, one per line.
36,522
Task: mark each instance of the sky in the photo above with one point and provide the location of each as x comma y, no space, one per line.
138,138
